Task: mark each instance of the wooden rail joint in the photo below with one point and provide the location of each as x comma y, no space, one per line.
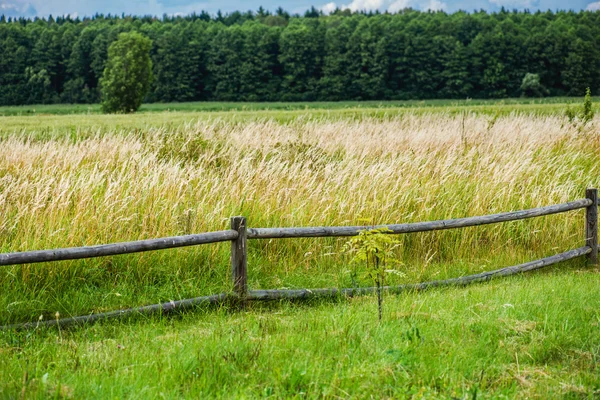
591,226
239,257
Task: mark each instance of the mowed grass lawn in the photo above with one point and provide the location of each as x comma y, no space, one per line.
73,180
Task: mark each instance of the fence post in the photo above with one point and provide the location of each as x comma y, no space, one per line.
591,226
239,257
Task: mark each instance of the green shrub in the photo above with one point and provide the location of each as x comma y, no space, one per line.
587,113
580,118
532,87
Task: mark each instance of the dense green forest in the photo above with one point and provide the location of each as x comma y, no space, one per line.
262,56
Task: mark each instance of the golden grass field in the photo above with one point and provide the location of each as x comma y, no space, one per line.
101,186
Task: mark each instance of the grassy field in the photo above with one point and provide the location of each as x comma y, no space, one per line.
72,180
82,121
524,337
527,104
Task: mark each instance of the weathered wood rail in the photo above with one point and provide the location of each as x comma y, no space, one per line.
325,231
240,233
74,253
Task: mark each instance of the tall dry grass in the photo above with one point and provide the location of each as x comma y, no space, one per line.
93,188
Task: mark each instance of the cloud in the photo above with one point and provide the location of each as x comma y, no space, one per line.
328,8
17,8
388,5
360,5
399,5
436,5
43,8
593,6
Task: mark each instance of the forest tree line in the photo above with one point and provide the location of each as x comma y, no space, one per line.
262,56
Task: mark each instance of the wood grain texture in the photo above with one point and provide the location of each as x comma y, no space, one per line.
239,257
325,231
73,253
591,226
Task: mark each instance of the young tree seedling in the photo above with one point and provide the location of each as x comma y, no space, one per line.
373,248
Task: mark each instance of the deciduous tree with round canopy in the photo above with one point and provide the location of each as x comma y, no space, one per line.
128,73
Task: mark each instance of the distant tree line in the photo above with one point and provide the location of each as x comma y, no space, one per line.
263,56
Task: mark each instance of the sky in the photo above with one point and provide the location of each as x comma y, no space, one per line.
81,8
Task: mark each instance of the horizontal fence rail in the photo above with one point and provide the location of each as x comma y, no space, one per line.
240,233
274,294
290,294
144,310
74,253
328,231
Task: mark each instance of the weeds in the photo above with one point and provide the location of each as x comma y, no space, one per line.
580,118
587,113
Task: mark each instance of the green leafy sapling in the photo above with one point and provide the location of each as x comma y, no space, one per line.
581,116
587,113
571,114
374,248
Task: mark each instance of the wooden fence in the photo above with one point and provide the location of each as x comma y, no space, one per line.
239,234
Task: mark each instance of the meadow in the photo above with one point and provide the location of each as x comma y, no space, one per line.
73,180
530,105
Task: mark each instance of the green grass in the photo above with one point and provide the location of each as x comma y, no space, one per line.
83,120
72,180
213,106
286,111
535,336
81,126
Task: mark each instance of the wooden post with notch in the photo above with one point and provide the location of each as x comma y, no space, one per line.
239,257
591,226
